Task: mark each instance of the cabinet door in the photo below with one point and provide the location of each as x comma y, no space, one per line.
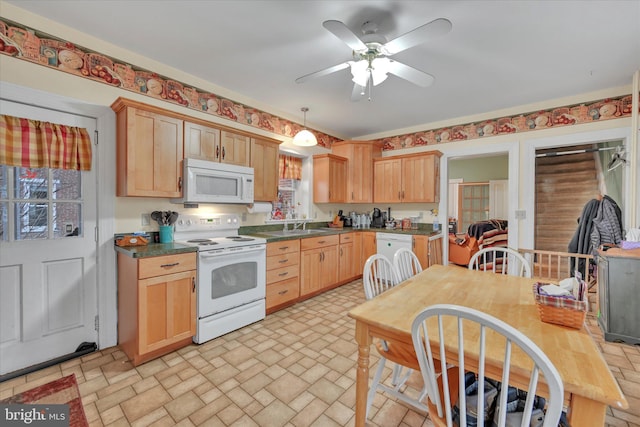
264,161
329,179
421,249
360,155
387,183
150,153
235,148
346,262
329,266
201,142
167,310
369,246
358,264
419,179
310,271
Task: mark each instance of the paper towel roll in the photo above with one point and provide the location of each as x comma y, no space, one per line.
260,207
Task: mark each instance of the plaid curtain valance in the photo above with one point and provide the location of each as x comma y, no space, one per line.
35,144
290,167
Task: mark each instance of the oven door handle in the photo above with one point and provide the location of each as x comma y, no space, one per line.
232,251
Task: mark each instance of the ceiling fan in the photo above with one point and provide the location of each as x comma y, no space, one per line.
371,63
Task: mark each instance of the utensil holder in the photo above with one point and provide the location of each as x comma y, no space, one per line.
166,233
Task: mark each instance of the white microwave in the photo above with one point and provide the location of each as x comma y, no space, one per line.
204,181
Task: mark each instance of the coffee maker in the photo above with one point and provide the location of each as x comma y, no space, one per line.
378,218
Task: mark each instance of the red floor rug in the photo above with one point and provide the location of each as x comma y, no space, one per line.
61,391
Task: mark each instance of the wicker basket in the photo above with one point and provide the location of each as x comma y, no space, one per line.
560,311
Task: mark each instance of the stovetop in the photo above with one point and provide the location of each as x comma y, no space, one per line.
212,232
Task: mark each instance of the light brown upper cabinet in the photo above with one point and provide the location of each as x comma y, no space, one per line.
264,161
360,155
413,178
329,179
235,148
149,151
201,142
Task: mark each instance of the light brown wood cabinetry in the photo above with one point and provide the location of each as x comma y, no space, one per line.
235,148
264,161
156,304
349,259
201,142
428,249
407,179
329,179
319,264
149,151
369,246
359,155
283,274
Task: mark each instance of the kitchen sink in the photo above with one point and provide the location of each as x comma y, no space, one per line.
282,233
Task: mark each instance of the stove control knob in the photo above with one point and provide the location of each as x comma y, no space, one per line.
180,222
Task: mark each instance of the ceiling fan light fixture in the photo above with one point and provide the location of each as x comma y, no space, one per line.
305,138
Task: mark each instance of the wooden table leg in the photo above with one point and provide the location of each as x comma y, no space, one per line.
362,374
586,412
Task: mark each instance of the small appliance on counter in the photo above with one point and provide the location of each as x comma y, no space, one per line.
378,218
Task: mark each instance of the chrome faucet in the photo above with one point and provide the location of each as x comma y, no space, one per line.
296,225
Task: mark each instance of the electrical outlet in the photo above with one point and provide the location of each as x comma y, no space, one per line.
145,219
521,214
330,214
244,216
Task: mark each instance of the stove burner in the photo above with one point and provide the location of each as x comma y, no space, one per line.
240,239
199,241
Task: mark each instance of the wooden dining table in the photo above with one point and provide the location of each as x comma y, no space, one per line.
589,385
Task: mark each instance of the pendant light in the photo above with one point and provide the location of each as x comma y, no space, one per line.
305,138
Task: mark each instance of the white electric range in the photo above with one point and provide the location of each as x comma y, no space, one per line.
231,273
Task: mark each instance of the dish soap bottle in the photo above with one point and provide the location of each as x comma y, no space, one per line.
436,224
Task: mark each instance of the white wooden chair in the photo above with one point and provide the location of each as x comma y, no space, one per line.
447,389
500,260
406,263
380,275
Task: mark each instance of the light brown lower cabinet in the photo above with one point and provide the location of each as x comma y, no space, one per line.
349,259
428,249
156,304
369,246
319,264
283,274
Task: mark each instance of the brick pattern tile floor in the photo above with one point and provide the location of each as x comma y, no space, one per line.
295,368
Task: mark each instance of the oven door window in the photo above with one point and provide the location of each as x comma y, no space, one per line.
233,278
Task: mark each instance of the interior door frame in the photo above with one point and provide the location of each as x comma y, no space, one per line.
512,149
105,186
529,170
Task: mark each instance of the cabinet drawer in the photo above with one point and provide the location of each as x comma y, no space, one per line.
284,247
284,260
283,273
158,266
281,292
319,242
347,238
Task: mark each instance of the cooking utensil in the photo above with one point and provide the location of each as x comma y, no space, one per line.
157,216
173,217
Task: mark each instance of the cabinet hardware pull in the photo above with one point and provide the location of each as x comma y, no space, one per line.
283,248
321,241
283,292
352,195
222,153
399,195
217,152
283,274
403,194
340,251
193,283
282,261
180,183
170,265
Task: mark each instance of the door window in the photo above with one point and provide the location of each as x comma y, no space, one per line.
40,203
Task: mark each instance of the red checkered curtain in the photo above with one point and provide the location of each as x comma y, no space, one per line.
35,144
290,167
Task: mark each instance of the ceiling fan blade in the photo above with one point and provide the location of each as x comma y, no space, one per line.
323,72
343,32
426,32
357,93
417,77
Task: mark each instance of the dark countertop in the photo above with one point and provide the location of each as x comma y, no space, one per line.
155,249
159,249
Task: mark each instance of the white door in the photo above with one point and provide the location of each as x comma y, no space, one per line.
48,301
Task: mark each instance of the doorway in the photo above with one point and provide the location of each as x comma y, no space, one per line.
48,253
